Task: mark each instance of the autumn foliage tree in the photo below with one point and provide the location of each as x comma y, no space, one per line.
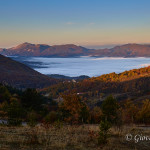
129,112
74,110
143,115
95,115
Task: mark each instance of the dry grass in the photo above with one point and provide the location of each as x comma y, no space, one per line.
67,137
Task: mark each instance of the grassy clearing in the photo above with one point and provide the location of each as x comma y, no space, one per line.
68,137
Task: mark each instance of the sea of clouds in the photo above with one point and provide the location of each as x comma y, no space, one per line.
91,66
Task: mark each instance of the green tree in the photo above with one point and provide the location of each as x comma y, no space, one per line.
15,113
110,109
4,94
104,132
32,100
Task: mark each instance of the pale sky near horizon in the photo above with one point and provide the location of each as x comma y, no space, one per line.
81,22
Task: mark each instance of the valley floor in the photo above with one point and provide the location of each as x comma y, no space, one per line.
66,137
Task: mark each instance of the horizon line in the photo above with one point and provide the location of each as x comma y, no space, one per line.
91,46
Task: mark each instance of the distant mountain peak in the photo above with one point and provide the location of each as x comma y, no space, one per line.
26,43
23,45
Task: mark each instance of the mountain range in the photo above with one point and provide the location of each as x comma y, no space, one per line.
70,50
21,76
27,49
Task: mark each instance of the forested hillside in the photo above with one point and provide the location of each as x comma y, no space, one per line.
128,84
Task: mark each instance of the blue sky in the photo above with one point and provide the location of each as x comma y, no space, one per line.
81,22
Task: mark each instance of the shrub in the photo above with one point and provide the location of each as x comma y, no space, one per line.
51,117
32,118
104,132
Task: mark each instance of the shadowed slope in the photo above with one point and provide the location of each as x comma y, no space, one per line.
20,76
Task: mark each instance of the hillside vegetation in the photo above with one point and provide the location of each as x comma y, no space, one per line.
124,76
133,84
